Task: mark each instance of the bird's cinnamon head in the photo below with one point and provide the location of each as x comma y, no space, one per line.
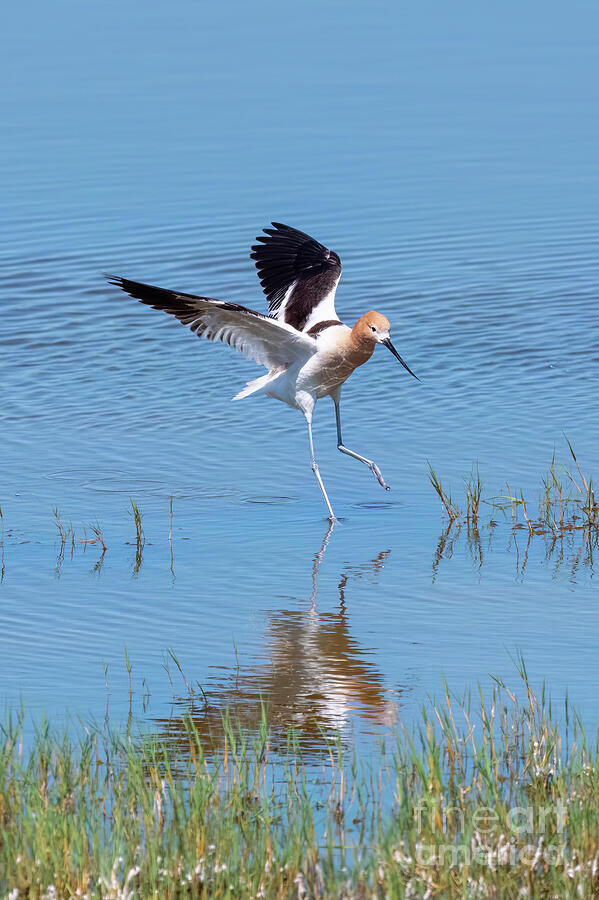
372,329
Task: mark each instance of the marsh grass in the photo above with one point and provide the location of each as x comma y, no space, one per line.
562,521
452,510
140,537
97,530
65,535
566,505
486,796
473,488
192,692
68,538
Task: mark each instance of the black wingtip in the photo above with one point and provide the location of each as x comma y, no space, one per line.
277,228
145,293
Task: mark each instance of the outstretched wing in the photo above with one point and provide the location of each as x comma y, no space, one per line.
264,340
299,276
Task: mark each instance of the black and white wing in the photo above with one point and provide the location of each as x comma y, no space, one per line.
299,276
267,341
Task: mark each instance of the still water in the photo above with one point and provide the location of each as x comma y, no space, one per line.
450,158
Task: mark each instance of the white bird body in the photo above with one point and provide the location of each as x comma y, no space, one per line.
320,374
331,365
307,351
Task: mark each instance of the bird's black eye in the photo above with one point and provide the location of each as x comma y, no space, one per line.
373,327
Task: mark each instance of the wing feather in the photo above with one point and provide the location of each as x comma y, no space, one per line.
299,276
267,341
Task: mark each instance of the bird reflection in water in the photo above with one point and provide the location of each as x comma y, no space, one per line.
316,679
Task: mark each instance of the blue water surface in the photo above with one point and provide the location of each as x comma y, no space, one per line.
448,153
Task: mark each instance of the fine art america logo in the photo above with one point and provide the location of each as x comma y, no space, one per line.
486,841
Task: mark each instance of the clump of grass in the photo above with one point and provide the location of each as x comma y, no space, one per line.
61,529
66,536
452,510
484,797
96,529
140,537
589,505
559,510
473,486
566,516
139,532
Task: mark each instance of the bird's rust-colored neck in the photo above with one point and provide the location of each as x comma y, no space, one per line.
361,345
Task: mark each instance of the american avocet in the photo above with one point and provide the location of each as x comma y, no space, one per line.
308,352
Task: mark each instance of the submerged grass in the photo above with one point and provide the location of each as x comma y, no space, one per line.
566,504
485,797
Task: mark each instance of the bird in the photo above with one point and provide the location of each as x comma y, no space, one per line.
308,352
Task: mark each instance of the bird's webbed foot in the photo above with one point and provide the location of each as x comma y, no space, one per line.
377,474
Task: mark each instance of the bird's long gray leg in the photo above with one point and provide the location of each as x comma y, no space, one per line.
340,446
315,469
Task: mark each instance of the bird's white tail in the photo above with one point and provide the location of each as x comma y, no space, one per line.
257,384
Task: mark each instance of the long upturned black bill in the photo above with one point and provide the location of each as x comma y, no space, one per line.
388,344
